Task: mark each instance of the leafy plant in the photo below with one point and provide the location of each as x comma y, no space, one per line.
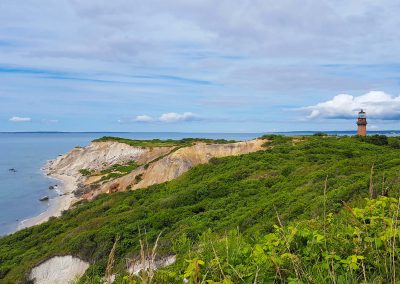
85,172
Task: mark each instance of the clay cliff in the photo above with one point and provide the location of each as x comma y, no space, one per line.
155,164
100,155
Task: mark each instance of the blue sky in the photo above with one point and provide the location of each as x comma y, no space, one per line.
198,66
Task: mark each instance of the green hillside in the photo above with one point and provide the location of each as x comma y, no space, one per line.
234,202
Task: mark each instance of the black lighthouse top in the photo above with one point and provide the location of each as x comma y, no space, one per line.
362,114
362,118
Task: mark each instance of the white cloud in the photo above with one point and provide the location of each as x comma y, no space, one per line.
50,121
20,119
144,118
176,117
377,104
169,117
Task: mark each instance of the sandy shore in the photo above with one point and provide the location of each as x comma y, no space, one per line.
57,204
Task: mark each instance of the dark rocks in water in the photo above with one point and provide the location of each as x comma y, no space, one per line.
12,170
44,198
51,187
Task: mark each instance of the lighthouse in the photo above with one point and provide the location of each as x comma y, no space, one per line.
362,124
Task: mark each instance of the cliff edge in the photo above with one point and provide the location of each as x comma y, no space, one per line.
111,166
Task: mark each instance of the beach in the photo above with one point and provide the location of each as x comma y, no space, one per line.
56,205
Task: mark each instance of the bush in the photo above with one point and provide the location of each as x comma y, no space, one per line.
376,139
85,172
320,134
239,192
357,245
138,178
394,142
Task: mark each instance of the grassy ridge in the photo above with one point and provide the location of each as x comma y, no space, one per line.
240,192
162,143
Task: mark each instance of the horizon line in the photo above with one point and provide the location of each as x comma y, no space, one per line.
262,132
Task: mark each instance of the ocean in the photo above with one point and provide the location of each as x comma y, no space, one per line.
20,190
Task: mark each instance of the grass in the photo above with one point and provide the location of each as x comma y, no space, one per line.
112,172
162,143
116,171
357,245
85,172
243,194
126,168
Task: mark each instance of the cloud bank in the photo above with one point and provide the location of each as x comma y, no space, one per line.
169,117
176,117
20,119
377,104
144,118
88,63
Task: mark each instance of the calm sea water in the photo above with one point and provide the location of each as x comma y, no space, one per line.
28,152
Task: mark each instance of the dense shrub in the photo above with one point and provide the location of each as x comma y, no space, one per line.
359,245
375,139
242,193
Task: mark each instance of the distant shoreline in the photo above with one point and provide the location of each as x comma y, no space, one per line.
180,132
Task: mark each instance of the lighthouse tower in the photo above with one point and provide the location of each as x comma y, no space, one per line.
362,124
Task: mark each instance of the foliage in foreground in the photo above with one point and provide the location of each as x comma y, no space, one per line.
233,193
358,245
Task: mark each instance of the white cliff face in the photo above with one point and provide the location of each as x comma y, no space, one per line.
59,270
99,155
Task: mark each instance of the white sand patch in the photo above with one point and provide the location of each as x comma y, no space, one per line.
149,264
59,270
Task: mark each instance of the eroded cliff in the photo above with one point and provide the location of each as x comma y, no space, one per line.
154,164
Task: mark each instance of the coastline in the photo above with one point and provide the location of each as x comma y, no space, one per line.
58,204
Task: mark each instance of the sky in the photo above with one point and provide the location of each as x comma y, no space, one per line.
198,65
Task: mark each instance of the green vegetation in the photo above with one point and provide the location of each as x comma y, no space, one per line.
162,143
359,245
85,172
272,140
382,140
320,134
375,139
138,178
220,219
117,170
127,168
111,172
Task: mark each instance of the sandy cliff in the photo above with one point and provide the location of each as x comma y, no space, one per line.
100,155
178,162
157,164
